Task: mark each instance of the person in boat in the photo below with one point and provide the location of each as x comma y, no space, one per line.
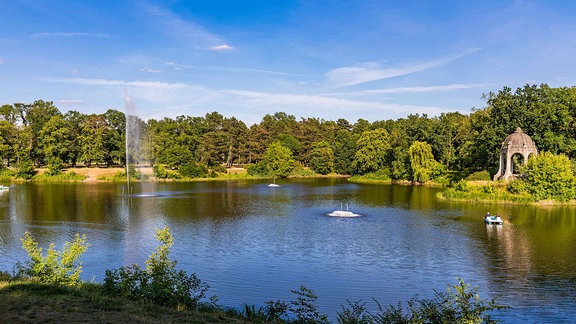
487,215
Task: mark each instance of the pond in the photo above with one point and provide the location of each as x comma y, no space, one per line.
252,243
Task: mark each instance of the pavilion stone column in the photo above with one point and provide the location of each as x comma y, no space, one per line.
516,143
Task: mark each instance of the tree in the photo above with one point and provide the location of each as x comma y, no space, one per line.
36,116
322,158
279,160
550,176
344,148
92,140
373,149
422,161
55,143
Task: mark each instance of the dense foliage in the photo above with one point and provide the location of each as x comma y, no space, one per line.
159,283
39,134
56,267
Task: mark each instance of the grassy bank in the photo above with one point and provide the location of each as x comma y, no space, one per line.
29,302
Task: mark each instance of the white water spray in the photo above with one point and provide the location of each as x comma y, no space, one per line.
131,135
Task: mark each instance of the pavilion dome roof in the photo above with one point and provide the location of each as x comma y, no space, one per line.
519,139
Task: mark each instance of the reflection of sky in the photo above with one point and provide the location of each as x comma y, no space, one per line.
253,243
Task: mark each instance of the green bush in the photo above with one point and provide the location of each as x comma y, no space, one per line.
462,186
458,304
25,170
258,169
518,186
302,309
479,176
58,268
159,283
160,171
193,170
219,168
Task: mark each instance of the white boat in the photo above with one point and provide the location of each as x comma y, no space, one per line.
493,220
343,213
3,187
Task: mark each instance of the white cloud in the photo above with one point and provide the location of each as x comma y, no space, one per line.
222,48
317,103
449,87
106,82
179,67
187,32
372,71
149,70
71,101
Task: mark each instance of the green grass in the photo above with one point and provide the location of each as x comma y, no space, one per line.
62,177
30,302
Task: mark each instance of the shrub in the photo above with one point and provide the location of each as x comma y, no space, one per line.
219,168
458,304
160,171
258,169
462,186
479,176
193,170
58,268
304,307
518,186
159,283
25,170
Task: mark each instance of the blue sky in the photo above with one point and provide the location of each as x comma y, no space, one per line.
370,59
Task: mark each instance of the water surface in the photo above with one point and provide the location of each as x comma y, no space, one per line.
252,243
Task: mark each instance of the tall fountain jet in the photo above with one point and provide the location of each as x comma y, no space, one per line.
132,136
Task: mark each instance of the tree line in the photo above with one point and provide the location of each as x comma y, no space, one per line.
417,147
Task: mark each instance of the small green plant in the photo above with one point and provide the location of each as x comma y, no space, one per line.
58,268
159,283
304,307
354,313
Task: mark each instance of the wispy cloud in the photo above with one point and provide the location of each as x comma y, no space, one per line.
123,83
372,71
305,102
149,70
185,31
177,66
71,101
222,48
69,34
449,87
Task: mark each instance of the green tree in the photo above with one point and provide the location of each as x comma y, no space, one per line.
550,176
373,150
93,140
344,148
279,160
322,158
36,116
55,143
422,161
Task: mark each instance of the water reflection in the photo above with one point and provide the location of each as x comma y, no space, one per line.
253,243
